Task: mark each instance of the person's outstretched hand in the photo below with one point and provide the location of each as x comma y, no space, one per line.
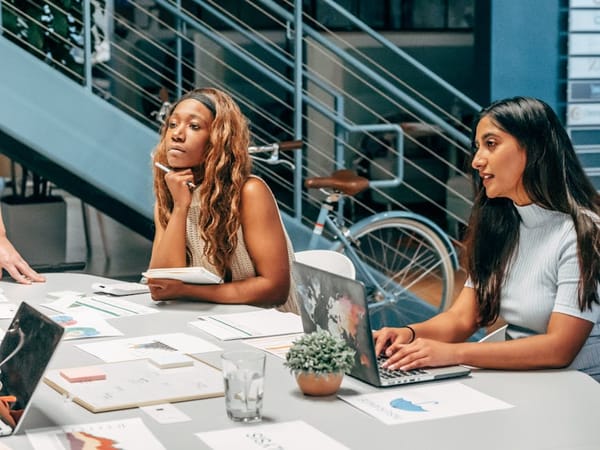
15,265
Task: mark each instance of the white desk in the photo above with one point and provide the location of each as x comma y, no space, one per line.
553,409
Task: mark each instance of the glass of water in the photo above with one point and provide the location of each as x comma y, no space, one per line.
244,375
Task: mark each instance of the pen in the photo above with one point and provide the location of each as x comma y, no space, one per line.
167,170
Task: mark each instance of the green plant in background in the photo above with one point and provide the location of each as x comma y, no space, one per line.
319,352
51,30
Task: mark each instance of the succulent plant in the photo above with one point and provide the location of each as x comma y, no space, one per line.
319,352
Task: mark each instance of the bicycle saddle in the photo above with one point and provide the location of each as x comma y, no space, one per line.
345,180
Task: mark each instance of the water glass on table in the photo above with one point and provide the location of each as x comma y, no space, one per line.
244,375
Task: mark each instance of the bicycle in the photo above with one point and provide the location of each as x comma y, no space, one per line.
405,260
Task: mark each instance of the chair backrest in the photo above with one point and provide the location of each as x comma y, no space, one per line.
328,260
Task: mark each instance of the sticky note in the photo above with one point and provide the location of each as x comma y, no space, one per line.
79,374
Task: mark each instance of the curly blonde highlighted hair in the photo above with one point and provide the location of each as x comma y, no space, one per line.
225,169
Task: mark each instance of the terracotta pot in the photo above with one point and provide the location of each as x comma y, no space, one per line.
311,383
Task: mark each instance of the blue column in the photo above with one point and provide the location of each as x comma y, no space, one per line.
522,52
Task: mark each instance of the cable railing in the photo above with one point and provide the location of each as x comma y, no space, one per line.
161,49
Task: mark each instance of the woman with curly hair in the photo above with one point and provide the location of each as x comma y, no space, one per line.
532,254
211,212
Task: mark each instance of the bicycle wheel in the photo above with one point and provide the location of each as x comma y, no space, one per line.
410,262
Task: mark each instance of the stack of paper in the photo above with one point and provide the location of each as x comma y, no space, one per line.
195,275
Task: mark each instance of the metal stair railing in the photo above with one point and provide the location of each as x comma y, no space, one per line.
253,54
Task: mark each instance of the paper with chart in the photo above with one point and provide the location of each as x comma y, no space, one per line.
130,384
264,322
106,307
415,403
125,434
294,435
84,324
147,347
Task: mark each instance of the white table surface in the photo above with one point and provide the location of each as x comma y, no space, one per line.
553,409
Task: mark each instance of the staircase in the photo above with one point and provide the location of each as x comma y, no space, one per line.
70,136
92,128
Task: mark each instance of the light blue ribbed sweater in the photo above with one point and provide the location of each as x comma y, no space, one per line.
542,279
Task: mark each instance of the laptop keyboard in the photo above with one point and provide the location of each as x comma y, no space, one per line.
388,374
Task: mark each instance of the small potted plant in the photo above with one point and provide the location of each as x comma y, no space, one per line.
319,360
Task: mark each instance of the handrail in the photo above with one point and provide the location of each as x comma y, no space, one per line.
288,86
398,176
349,59
402,54
87,45
335,117
329,103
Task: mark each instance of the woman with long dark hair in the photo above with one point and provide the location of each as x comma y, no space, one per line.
532,254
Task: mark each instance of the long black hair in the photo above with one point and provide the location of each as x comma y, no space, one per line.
553,179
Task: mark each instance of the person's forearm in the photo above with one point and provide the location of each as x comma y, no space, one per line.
169,251
535,352
253,291
445,327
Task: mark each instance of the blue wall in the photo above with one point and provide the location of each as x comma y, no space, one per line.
524,49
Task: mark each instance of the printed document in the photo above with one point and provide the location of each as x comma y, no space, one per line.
84,324
295,435
275,345
106,307
147,347
265,322
432,401
125,434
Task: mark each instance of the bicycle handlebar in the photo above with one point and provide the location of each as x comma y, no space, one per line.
274,147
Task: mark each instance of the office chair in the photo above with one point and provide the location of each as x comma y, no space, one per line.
328,260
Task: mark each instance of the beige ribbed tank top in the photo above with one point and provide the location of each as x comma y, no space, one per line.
241,264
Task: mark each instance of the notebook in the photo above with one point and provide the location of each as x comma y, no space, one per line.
339,305
26,349
194,275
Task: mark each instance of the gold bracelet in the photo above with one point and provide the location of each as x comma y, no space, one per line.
412,330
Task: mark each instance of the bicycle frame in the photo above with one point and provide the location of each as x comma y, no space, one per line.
344,236
325,219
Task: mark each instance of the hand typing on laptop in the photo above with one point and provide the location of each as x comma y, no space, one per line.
404,353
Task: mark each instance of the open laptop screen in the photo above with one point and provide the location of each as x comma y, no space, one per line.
337,304
32,339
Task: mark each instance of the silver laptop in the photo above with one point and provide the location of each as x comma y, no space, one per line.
25,352
339,305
